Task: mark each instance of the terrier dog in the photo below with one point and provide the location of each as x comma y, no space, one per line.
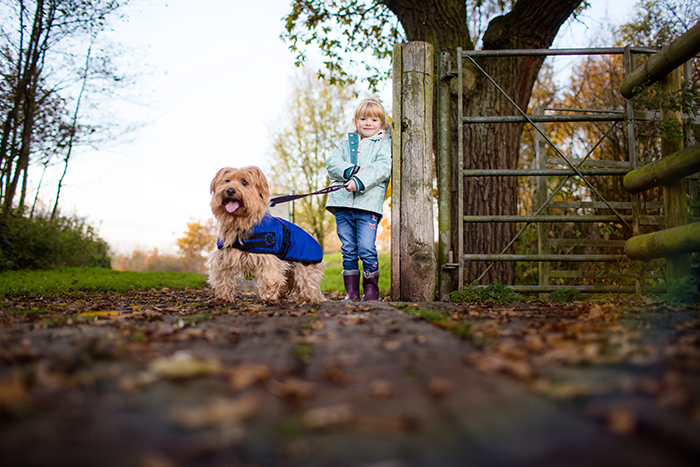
283,258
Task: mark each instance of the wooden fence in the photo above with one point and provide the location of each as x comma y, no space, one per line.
678,239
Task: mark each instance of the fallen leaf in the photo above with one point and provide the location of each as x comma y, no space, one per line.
386,424
292,388
622,421
247,374
350,320
132,383
217,413
392,346
491,363
310,339
13,393
335,374
99,314
418,339
327,417
182,365
564,390
381,389
440,387
595,312
534,343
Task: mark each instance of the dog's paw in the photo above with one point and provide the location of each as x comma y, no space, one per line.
270,299
310,299
225,295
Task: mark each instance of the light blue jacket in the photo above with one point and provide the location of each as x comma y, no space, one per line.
375,157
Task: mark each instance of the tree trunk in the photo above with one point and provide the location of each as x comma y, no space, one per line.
25,99
532,24
443,23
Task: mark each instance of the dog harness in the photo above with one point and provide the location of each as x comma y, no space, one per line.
275,236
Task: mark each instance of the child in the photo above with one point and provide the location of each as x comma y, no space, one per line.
363,163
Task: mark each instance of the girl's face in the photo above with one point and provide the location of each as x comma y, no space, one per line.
368,126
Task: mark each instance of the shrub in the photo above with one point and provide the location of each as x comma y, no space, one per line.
40,242
566,295
491,293
683,291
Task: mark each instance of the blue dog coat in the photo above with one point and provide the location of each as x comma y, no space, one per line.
275,236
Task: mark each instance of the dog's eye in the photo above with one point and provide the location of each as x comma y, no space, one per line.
244,183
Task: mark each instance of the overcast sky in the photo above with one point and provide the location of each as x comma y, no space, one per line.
218,76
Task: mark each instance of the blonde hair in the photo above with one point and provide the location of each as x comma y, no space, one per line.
370,108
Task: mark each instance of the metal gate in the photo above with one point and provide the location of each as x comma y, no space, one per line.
452,255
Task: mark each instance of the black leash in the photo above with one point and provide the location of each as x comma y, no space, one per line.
287,198
322,191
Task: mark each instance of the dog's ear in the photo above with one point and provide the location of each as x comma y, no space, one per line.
217,179
260,182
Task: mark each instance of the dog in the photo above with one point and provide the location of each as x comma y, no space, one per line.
283,258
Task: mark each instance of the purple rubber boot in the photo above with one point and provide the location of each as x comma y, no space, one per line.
351,279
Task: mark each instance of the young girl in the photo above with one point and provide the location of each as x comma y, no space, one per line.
362,162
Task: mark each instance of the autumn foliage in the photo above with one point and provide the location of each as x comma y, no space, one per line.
193,247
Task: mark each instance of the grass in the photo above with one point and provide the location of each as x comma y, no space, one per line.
460,328
334,266
492,293
78,281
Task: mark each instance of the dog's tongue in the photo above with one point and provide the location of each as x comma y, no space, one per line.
232,206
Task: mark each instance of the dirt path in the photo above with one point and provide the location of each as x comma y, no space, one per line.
168,378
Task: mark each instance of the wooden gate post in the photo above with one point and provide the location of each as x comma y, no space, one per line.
413,262
675,203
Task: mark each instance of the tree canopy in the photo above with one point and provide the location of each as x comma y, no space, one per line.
356,37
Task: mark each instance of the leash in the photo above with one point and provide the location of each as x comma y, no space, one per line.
322,191
287,198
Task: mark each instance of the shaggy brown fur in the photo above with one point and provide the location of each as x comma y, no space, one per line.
240,198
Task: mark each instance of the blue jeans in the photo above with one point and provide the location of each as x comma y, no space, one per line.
357,231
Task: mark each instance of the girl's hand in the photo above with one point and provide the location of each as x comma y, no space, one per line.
351,186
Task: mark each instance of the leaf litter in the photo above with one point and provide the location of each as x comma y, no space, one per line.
143,342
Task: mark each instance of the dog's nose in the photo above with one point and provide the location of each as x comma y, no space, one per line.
230,192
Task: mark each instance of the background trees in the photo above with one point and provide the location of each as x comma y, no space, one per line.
48,62
317,115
